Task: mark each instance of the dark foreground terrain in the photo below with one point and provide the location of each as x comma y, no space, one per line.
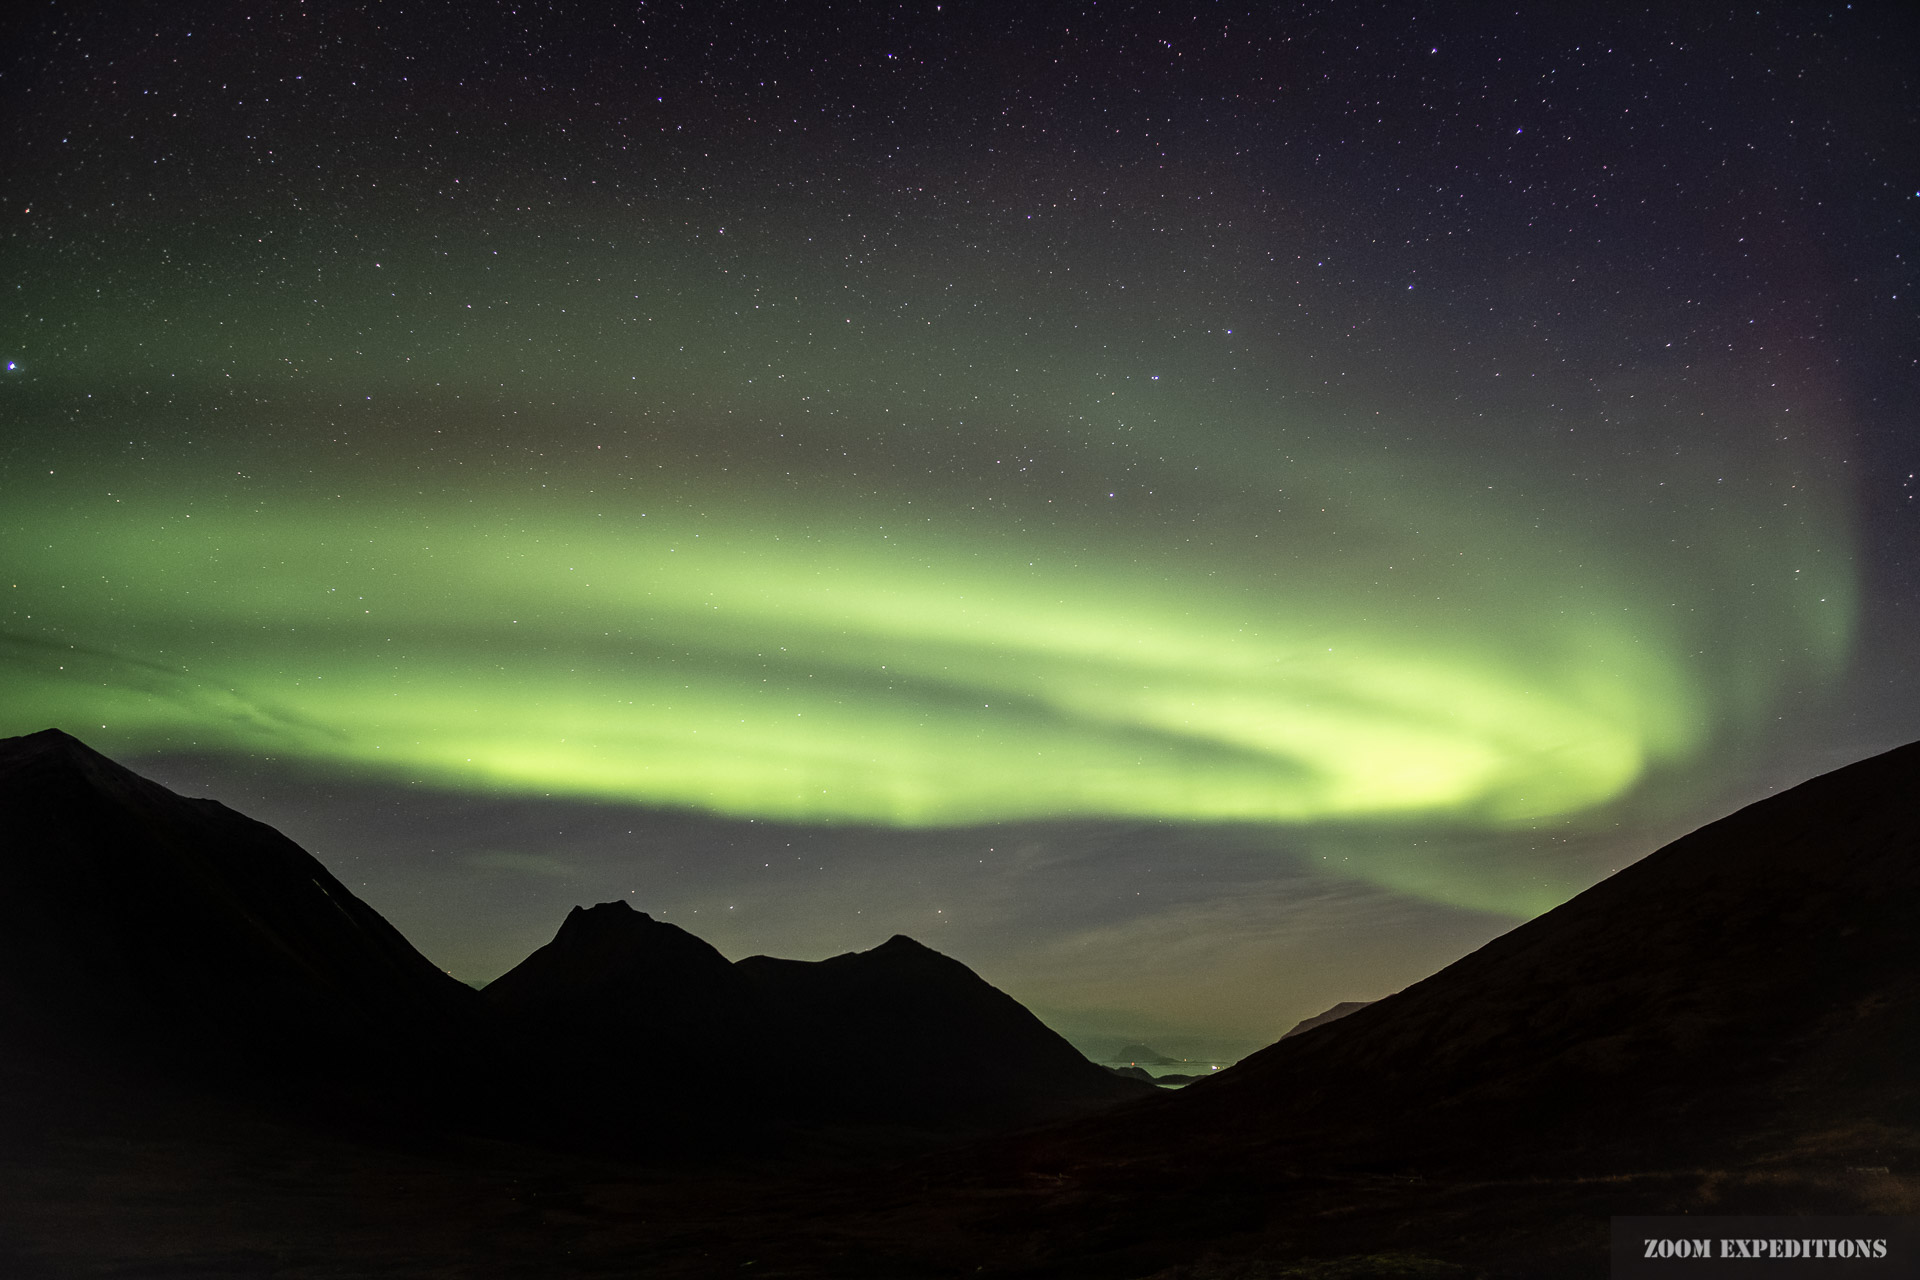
211,1077
181,1189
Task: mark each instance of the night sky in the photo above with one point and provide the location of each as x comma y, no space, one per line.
1199,512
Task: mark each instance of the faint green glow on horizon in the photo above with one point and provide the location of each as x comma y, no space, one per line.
752,662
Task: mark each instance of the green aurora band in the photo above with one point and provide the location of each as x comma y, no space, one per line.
708,527
747,654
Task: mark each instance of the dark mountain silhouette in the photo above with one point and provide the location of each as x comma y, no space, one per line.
904,1034
615,980
642,1037
1753,984
898,1036
175,937
1144,1054
1729,1026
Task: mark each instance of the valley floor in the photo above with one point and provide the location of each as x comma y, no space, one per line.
178,1188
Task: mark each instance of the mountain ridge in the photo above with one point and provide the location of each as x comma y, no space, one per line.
183,940
1728,1026
196,940
897,1035
1752,986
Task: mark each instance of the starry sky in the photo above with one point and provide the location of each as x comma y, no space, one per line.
1198,511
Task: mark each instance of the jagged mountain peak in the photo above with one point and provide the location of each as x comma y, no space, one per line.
603,955
901,942
58,748
47,740
605,916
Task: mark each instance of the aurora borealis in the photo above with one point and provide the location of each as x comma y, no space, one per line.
754,663
1390,477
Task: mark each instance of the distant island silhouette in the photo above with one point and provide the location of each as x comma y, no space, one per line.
1143,1055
